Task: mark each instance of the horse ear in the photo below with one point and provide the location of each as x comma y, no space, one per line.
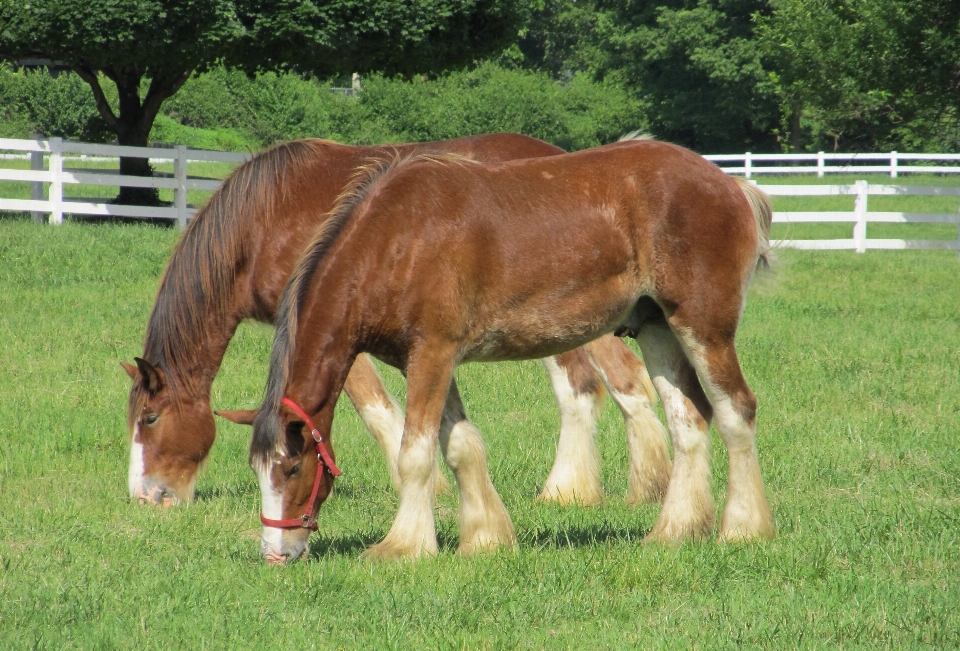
153,377
238,416
130,369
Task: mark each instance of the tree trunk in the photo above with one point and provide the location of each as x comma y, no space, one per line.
133,122
796,137
133,130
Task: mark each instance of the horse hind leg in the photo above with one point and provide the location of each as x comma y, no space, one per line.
747,515
628,383
575,476
381,415
688,510
484,521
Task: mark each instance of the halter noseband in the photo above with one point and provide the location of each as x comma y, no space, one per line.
324,463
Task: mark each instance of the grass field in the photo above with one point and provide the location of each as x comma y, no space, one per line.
855,361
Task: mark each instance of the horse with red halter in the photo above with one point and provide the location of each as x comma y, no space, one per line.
232,263
436,261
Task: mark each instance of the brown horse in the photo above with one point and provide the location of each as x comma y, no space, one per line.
433,262
232,264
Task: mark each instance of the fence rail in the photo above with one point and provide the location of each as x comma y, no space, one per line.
47,167
823,163
860,217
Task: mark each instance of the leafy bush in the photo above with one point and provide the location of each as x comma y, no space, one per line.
35,101
169,131
225,109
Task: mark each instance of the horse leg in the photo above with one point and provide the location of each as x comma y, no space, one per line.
625,376
381,415
575,476
747,515
484,522
688,508
414,533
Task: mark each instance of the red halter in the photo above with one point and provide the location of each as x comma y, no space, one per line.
324,462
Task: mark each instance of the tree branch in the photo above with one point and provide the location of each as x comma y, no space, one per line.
161,89
103,106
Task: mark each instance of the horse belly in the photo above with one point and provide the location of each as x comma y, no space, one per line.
535,330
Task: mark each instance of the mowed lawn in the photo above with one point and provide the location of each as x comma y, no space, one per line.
856,363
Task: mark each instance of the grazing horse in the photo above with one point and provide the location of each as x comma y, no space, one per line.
431,262
232,264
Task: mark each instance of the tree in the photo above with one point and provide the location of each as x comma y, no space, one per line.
149,48
693,64
698,66
865,74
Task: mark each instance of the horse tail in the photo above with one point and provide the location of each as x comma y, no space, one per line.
763,213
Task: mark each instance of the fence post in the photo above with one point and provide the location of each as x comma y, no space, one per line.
958,236
56,180
36,187
893,165
180,192
820,164
746,165
860,211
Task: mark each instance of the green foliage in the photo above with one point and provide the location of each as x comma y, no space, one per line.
697,65
34,101
272,107
168,131
868,74
693,64
573,116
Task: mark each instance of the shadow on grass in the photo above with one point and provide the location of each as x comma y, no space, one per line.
210,493
585,536
354,545
566,538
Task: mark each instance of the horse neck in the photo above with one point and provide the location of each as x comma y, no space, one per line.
199,351
324,351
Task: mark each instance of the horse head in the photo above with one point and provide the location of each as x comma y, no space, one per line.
170,436
294,465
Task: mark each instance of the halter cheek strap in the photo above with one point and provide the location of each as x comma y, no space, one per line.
325,462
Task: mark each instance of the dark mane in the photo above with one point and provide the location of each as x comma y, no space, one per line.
366,180
196,291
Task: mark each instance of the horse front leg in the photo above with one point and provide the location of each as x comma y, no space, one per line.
413,533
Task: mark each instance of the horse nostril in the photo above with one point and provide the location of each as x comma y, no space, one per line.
275,559
155,495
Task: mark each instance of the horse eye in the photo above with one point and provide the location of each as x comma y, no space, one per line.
151,419
296,469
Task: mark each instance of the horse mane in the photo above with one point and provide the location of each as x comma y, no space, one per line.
195,294
365,182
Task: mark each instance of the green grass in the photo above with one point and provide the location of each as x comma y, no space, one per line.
855,362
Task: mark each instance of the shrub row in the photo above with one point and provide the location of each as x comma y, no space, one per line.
225,109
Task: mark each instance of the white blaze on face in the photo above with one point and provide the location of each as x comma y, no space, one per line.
272,508
135,475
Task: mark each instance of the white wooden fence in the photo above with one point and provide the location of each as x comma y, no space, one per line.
860,217
823,163
56,175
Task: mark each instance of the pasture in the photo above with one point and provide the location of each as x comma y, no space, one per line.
855,362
